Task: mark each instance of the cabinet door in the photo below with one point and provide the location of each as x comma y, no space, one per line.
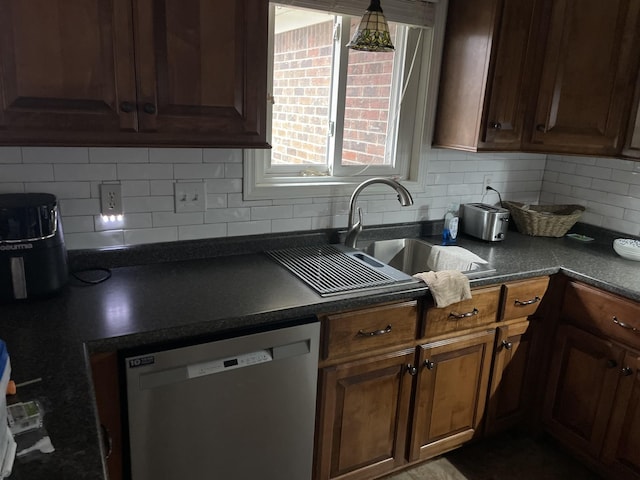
582,383
510,379
480,103
632,145
66,67
451,393
363,417
621,452
589,67
202,69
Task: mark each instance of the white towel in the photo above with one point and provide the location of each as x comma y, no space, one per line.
446,286
452,258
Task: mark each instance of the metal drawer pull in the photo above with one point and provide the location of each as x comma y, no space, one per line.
626,371
412,370
507,345
624,325
458,316
429,364
528,302
362,333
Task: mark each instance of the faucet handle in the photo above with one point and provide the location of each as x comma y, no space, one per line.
360,216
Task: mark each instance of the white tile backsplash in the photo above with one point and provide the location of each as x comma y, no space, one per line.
609,188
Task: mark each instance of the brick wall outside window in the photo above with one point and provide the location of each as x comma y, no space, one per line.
302,70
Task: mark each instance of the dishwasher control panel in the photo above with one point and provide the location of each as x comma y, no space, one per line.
223,364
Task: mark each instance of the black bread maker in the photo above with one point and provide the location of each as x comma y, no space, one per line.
33,257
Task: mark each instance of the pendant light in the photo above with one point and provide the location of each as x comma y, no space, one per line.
372,34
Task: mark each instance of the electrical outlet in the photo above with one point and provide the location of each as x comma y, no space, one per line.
111,199
190,197
486,183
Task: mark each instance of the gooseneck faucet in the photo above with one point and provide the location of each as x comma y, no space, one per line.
355,227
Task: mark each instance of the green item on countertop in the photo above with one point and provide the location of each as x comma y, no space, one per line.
578,236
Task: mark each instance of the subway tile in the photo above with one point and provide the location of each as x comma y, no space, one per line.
405,215
593,172
161,187
293,201
632,216
634,191
129,221
615,163
605,210
233,185
148,204
167,219
626,177
111,238
76,224
249,228
14,187
236,200
55,154
150,235
233,170
609,186
440,166
135,188
118,155
61,189
561,166
24,173
314,210
192,232
463,166
228,215
575,180
290,224
216,201
591,218
79,206
270,213
149,171
222,155
619,225
196,171
175,155
73,172
10,155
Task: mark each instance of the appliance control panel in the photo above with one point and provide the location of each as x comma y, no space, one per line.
224,364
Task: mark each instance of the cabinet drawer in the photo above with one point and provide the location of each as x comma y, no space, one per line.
369,329
481,309
602,312
521,299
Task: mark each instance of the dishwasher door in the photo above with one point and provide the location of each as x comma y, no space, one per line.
239,408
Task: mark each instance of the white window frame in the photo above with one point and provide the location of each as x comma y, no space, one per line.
260,182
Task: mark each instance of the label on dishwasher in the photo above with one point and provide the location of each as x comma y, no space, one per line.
231,363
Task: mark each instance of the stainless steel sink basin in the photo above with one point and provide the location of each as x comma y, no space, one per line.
411,255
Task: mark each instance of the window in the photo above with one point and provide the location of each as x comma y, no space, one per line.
337,115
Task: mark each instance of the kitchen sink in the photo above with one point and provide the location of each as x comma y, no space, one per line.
411,255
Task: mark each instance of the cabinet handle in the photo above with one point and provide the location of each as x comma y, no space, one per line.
507,345
412,370
625,325
518,303
541,128
107,441
626,371
149,108
127,107
429,364
496,125
362,333
458,316
611,363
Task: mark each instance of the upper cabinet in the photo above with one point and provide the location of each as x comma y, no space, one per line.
548,76
484,79
133,72
632,146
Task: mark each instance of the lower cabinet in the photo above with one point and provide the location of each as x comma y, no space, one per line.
450,393
510,386
363,416
621,452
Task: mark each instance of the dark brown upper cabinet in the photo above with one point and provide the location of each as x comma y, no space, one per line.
549,76
133,72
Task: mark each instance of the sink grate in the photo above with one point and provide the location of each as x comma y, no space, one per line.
329,270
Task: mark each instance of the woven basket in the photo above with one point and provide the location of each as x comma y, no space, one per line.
544,220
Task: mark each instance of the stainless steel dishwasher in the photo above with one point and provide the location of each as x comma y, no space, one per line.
237,408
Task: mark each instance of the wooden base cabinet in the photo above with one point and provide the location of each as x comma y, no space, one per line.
621,452
363,416
511,377
450,393
582,385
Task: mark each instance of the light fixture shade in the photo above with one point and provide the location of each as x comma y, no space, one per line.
372,34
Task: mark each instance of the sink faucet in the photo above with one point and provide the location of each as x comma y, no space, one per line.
355,227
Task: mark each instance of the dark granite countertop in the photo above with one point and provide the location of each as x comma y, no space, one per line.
172,300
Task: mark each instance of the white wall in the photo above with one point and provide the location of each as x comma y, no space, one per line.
147,176
608,188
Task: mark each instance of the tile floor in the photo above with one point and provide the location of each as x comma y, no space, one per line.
506,457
